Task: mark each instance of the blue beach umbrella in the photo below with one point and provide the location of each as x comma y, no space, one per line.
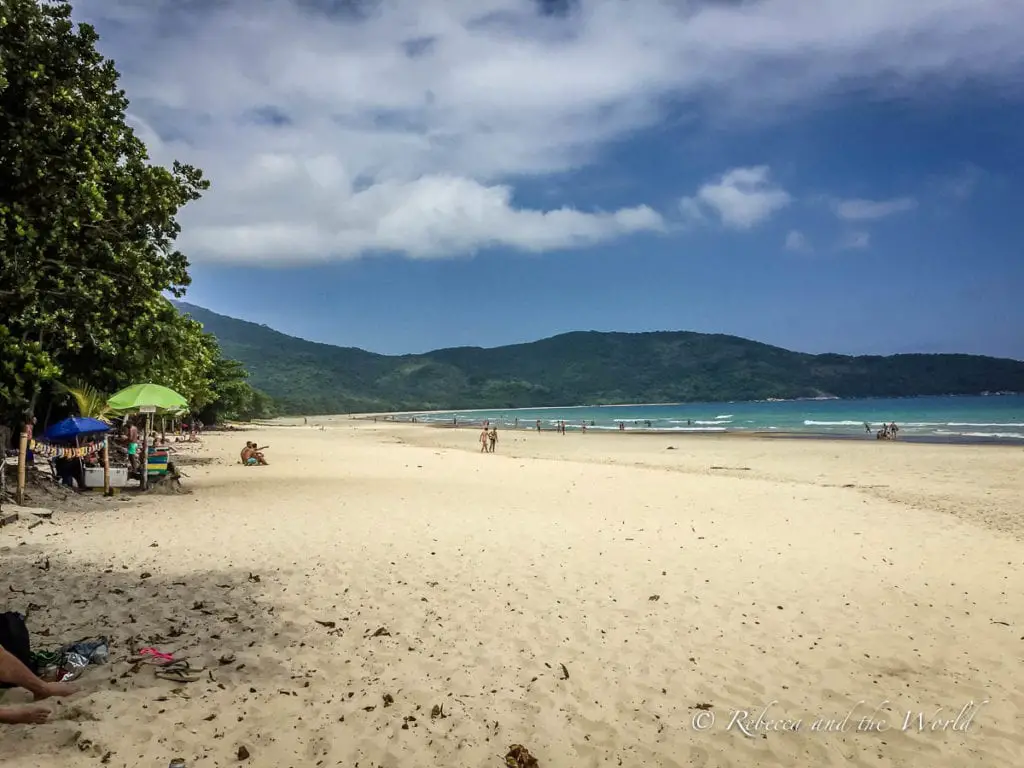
73,427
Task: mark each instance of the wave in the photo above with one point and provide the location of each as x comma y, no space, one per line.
809,423
987,424
996,435
712,423
724,416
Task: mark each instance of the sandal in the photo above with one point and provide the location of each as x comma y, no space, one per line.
180,672
178,675
152,656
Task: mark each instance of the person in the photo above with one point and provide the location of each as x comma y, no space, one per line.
70,470
583,426
538,425
867,427
133,446
483,440
14,673
893,429
492,438
252,455
30,428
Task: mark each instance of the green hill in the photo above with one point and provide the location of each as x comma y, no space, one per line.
583,368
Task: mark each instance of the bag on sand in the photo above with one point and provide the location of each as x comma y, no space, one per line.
14,639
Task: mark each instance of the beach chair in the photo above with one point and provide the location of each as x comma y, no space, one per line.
156,463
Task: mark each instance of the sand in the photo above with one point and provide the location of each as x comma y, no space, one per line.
598,599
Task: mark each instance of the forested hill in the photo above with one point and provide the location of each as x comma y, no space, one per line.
582,368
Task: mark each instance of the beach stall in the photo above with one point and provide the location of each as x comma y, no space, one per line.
150,400
70,442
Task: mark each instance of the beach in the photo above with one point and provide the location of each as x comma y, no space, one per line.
385,595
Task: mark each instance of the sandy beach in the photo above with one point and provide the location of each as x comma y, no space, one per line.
385,595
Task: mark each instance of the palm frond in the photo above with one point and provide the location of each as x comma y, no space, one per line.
89,401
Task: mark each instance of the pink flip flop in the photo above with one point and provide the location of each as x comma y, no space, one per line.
152,656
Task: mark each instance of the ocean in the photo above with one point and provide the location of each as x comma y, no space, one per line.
975,419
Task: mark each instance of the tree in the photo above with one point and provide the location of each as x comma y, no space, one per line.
87,224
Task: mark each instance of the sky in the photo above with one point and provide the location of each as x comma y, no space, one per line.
404,175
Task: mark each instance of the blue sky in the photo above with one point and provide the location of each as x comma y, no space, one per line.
818,176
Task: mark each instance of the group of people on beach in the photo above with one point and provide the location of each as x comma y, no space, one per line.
887,432
488,438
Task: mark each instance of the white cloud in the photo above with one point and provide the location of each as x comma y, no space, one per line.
797,242
405,124
855,241
430,217
869,210
742,197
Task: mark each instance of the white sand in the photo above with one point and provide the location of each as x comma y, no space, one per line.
824,575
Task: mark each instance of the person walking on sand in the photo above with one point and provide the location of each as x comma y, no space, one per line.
492,438
538,425
483,440
583,426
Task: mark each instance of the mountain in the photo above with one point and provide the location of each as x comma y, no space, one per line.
583,368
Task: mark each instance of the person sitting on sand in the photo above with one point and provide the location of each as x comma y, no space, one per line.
253,455
13,672
492,438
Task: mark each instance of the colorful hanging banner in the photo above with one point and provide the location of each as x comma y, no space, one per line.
63,451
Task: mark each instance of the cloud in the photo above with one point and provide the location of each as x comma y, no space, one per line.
869,210
797,242
430,217
327,126
742,197
855,241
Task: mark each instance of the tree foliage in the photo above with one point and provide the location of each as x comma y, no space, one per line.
87,225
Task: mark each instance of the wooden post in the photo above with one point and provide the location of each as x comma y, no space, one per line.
106,465
22,460
145,456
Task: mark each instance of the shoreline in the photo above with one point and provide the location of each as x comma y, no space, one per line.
951,440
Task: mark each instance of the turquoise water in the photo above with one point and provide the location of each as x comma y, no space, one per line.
996,418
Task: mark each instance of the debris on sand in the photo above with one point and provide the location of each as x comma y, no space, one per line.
519,756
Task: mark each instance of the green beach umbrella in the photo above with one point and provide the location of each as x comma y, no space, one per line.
147,396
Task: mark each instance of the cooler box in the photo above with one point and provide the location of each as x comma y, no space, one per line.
94,477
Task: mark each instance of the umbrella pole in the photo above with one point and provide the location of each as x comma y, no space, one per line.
145,456
106,465
22,459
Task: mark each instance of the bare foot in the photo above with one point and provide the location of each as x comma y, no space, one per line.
57,689
27,715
